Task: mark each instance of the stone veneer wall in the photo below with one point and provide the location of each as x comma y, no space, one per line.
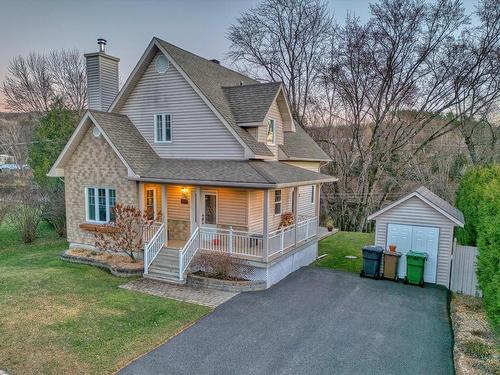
178,229
93,164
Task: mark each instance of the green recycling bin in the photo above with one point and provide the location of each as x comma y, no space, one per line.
415,265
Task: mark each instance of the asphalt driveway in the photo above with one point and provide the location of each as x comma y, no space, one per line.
316,321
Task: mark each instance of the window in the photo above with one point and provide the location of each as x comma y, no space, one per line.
150,204
277,202
271,132
100,203
313,194
163,128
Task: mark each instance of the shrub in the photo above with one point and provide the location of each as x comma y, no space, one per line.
219,265
125,234
55,210
27,214
4,210
470,197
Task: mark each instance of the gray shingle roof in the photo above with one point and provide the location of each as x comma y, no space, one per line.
250,103
441,203
210,78
233,172
128,141
299,145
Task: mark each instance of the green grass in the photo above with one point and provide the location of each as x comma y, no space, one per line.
58,317
341,244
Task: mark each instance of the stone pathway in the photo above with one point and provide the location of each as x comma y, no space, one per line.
206,297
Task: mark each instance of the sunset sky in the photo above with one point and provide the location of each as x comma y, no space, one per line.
196,25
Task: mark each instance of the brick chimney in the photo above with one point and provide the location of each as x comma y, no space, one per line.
102,78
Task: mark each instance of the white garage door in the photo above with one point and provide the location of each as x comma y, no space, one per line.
410,237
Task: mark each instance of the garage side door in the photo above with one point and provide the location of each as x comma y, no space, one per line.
408,237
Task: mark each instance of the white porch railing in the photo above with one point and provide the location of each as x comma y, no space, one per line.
150,230
283,239
231,241
187,253
154,246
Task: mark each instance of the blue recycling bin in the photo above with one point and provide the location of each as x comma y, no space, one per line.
372,256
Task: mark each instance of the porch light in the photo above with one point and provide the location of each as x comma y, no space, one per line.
184,195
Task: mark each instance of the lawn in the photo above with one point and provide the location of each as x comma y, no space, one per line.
63,318
341,244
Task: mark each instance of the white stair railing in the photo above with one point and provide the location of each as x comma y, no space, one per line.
153,247
188,252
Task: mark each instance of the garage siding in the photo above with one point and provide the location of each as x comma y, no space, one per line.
416,212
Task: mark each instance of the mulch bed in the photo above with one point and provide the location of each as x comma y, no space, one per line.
476,348
212,276
118,265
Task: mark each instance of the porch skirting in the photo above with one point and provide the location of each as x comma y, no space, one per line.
280,267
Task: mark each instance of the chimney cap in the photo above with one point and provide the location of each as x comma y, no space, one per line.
102,44
215,61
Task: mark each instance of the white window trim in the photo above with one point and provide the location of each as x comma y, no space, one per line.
154,201
280,202
96,204
313,193
164,127
273,143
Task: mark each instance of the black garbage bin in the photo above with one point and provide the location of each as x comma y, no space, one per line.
371,261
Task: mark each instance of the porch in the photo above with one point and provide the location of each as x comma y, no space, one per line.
246,223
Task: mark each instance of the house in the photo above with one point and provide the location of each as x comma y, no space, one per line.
213,155
420,221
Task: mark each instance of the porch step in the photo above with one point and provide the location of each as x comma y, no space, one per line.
167,280
165,266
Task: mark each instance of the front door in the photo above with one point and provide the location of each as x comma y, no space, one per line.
209,209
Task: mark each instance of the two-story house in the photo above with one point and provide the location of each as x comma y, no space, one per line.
214,156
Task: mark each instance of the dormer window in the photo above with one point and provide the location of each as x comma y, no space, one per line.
163,128
271,132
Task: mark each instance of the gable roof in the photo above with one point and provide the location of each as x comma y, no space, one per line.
436,202
242,173
123,137
299,145
250,103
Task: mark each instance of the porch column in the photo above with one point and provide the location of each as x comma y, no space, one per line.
164,210
318,196
141,197
198,206
295,210
265,226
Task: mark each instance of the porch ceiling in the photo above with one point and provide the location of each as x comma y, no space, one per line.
242,173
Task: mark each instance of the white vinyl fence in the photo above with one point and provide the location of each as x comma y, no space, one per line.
463,270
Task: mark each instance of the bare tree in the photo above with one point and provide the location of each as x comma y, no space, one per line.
283,40
15,138
29,85
34,83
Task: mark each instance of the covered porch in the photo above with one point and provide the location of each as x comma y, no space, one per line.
252,224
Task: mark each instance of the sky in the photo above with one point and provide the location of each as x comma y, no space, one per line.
199,26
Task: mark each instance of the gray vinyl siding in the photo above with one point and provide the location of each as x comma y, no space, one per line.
109,82
306,208
415,212
102,82
261,132
93,87
197,133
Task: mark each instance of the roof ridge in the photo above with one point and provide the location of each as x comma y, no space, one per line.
204,58
253,84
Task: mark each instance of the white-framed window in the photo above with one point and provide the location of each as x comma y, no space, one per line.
99,204
313,194
163,127
151,204
277,202
271,132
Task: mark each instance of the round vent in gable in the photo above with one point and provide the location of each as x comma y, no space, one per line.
96,132
161,64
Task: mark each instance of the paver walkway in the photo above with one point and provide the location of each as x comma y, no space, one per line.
315,322
206,297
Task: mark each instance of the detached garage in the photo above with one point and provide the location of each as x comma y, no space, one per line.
420,221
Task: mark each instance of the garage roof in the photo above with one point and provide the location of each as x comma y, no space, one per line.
436,202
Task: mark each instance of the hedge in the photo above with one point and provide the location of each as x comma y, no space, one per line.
479,199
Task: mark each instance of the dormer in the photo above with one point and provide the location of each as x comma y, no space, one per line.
263,111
